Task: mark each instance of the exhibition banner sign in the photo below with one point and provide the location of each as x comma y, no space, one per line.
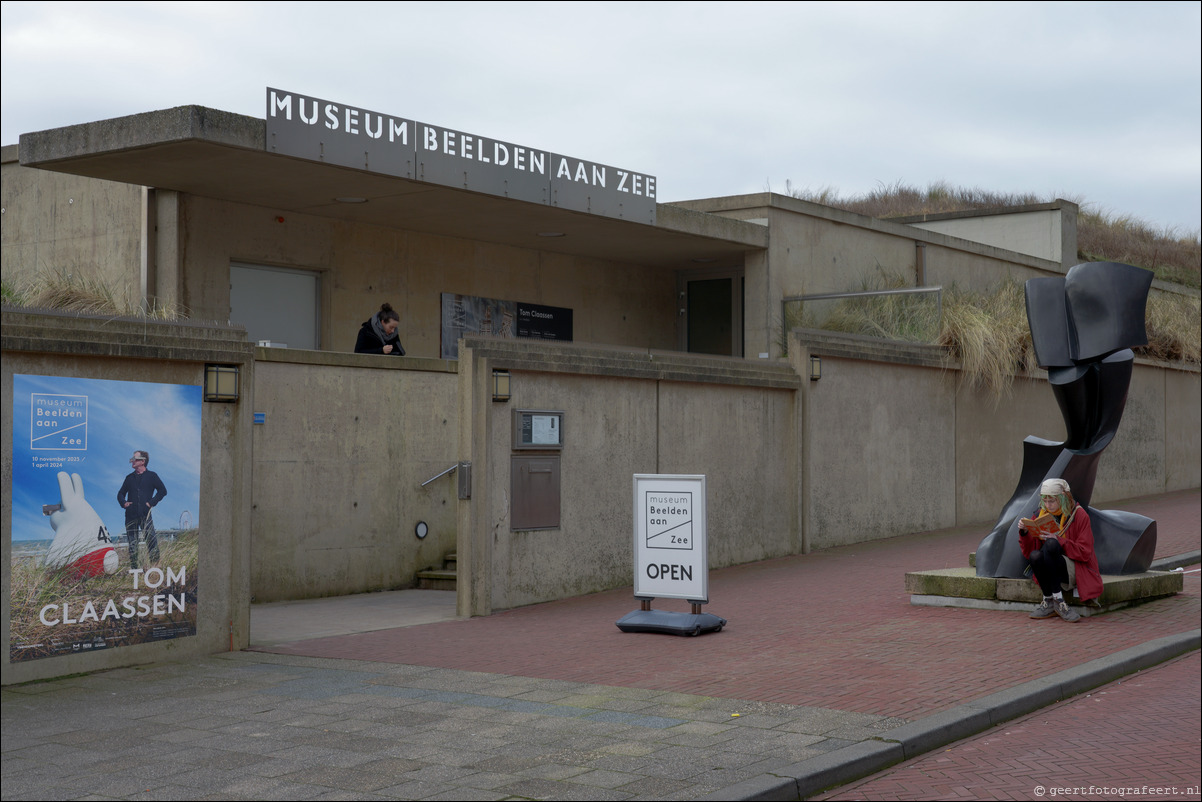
468,314
105,514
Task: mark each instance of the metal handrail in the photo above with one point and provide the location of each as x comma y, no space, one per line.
439,476
864,294
904,291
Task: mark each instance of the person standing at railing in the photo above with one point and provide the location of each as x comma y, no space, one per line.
379,335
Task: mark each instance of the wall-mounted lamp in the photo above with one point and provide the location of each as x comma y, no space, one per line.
815,368
221,383
500,385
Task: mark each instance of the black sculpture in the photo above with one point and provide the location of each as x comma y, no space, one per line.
1083,327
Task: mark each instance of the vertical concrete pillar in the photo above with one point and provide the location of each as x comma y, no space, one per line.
146,249
168,285
473,543
799,358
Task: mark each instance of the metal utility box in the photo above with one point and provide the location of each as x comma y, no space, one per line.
537,430
534,488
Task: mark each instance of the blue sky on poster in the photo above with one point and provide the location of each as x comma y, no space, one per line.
1092,101
162,419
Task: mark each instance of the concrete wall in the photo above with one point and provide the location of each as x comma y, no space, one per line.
890,441
895,442
625,412
817,249
362,266
1047,231
148,352
54,222
347,441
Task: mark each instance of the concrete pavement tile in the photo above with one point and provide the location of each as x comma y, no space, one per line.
861,733
440,774
47,795
274,767
832,744
345,779
113,786
677,763
722,777
620,763
511,762
187,736
551,770
403,717
468,758
634,719
706,728
309,720
466,794
225,760
350,742
819,720
277,742
603,778
657,788
630,748
166,792
334,794
264,788
312,755
548,789
485,780
700,741
415,790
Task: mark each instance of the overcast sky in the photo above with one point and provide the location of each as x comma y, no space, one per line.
1095,102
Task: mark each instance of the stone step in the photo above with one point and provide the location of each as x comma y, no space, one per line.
436,579
961,587
440,578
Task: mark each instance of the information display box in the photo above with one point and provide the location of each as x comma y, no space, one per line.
537,430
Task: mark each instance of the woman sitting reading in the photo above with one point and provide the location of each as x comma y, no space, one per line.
1059,549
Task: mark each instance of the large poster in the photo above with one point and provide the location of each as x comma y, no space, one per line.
467,314
105,506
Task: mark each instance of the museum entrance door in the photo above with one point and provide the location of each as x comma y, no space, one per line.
710,311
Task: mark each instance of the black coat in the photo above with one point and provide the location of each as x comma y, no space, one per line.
370,343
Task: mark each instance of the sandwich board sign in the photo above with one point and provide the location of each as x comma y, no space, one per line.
670,537
670,555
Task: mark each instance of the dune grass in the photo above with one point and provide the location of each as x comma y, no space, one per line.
35,588
82,291
987,333
1101,236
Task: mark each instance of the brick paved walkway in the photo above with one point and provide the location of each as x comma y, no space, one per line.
833,629
1142,732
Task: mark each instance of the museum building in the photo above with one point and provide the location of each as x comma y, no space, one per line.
530,285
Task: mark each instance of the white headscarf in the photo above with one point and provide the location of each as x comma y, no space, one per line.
1053,487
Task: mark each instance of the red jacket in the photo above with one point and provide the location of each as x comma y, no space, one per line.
1077,542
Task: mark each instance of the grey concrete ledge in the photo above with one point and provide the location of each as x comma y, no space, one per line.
42,331
551,357
121,134
821,342
341,359
1176,561
810,777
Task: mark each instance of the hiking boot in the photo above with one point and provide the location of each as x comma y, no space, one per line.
1044,610
1066,612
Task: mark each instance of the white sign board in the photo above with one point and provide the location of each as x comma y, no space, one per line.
670,559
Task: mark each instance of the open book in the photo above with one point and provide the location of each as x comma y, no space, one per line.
1044,526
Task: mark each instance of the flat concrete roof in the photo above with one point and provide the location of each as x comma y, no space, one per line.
218,154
